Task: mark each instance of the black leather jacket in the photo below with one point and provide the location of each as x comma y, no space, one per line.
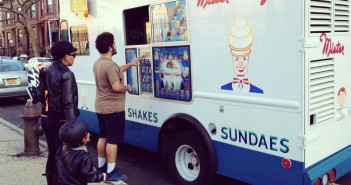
74,167
61,85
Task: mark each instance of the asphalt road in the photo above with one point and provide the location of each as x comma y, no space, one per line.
141,166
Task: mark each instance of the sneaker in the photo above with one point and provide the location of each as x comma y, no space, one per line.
103,169
115,176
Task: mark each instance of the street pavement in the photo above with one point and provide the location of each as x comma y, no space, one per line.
17,168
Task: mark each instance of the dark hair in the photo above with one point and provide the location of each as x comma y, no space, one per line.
104,41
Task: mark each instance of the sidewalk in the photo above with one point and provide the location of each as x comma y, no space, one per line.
16,169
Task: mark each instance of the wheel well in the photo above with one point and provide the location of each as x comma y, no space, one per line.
181,122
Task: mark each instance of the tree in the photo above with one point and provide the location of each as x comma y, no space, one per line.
22,8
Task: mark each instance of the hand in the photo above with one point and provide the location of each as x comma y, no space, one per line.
136,61
129,87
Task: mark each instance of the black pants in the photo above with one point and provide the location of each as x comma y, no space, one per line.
51,129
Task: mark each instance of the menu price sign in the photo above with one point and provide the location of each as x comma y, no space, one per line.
169,22
132,72
146,70
172,74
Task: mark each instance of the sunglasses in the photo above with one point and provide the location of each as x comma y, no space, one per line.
72,54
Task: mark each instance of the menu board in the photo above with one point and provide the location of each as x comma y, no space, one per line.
145,70
132,72
172,74
169,22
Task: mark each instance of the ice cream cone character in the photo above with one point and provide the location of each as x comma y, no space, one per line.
342,111
240,40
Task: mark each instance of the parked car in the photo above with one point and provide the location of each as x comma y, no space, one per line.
5,57
13,79
38,62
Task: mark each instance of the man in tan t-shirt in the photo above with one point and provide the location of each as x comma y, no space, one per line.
109,104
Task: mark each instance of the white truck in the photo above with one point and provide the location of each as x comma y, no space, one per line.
254,90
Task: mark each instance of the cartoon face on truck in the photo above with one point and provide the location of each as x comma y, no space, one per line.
341,112
240,40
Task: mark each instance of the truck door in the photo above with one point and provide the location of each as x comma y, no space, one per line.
327,79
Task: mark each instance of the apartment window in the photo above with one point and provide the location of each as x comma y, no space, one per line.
19,17
33,12
20,37
42,9
49,6
43,35
8,18
9,40
1,45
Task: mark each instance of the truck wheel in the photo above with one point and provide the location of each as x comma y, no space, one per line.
188,159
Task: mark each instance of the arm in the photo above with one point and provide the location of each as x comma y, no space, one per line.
134,62
118,86
115,77
88,171
68,95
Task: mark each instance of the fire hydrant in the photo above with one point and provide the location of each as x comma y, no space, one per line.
32,129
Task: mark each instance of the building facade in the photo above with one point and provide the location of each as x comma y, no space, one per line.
14,37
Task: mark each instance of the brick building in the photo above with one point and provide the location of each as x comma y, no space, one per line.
14,38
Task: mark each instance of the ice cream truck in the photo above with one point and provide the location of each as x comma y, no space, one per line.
255,90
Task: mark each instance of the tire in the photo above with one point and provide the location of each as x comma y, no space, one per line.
189,160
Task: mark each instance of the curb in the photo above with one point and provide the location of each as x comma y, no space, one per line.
20,131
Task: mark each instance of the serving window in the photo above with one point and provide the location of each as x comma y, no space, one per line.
164,69
137,27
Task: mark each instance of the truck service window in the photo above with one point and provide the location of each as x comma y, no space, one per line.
137,25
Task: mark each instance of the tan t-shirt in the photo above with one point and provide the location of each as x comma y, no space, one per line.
107,100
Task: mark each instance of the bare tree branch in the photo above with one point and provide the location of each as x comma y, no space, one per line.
20,13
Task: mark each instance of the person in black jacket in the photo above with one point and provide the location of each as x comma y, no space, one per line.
74,165
60,102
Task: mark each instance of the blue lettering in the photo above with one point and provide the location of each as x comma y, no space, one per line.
134,113
140,116
243,137
144,115
150,116
235,134
155,117
273,142
263,141
285,148
129,112
253,138
224,133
